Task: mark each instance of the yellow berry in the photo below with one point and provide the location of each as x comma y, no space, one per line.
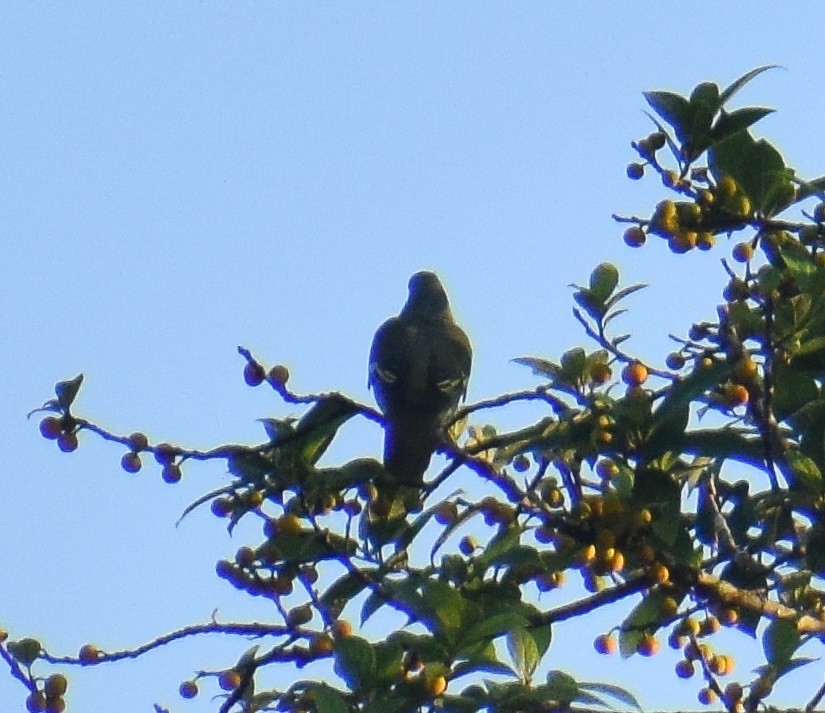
605,644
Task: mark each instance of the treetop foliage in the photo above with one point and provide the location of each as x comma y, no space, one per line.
690,490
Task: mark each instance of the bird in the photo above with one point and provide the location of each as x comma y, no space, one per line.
419,367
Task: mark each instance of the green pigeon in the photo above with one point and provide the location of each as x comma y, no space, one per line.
419,368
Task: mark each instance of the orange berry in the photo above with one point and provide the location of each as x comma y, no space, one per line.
438,685
634,374
735,395
89,653
634,237
341,629
660,573
445,513
229,680
289,524
685,669
706,696
320,645
648,645
605,644
742,252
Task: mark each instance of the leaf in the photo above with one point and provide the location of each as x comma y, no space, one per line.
589,303
801,471
66,391
327,699
603,281
646,616
540,367
742,81
318,426
729,124
780,640
620,694
355,662
493,627
815,186
523,651
673,108
621,294
561,687
340,592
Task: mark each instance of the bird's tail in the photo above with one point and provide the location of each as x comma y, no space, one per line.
408,447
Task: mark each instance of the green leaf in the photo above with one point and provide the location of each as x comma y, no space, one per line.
318,426
729,124
792,390
780,640
327,699
621,294
589,303
523,651
493,627
620,694
645,617
25,651
540,367
347,587
561,687
801,471
742,81
66,391
603,280
815,186
673,108
355,662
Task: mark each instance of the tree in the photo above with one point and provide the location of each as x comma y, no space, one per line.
633,484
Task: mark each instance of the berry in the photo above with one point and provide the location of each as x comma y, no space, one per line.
635,171
253,373
726,188
634,374
89,653
656,140
648,645
320,645
55,685
278,375
171,473
742,252
36,702
229,680
675,361
51,427
467,545
605,644
445,513
164,453
438,685
705,240
341,629
188,689
299,616
634,236
289,524
130,462
706,696
660,573
67,442
137,442
685,669
222,507
521,463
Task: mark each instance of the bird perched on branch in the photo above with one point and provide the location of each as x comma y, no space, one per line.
419,368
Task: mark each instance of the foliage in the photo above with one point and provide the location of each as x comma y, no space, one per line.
636,487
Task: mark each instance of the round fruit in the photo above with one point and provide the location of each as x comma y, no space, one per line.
278,375
438,685
675,361
229,680
605,644
253,373
648,645
467,545
705,240
88,653
709,626
245,556
341,629
656,140
446,513
670,178
706,696
299,616
130,462
51,427
137,442
635,171
222,507
55,705
685,669
634,236
320,645
733,692
36,702
660,573
67,442
521,464
171,473
188,689
289,524
742,252
726,188
164,453
634,374
55,685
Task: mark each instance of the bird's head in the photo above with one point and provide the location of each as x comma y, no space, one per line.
427,298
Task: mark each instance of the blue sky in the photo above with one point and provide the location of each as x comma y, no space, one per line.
180,178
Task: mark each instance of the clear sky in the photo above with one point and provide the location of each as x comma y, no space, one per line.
180,178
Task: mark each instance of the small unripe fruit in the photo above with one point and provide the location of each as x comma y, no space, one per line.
741,206
742,252
705,240
685,669
634,374
660,573
726,188
137,442
446,513
67,442
656,140
55,685
164,453
278,375
729,617
733,692
89,653
55,705
299,616
51,427
245,556
605,644
467,545
648,645
521,464
188,689
320,645
289,524
130,462
229,680
253,373
675,361
171,473
635,171
222,507
668,607
36,702
634,236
